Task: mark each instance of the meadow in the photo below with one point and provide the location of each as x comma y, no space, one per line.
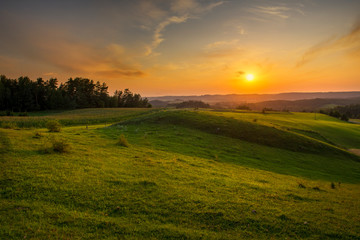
185,174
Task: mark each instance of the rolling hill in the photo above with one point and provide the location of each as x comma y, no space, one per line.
201,174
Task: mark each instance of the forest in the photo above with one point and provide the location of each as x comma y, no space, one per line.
23,95
344,112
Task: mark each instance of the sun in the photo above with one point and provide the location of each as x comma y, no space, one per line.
249,77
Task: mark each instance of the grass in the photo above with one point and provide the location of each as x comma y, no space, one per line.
89,116
182,180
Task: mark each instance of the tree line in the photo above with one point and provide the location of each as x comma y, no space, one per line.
344,112
190,104
23,94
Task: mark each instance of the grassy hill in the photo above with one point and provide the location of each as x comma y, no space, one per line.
185,175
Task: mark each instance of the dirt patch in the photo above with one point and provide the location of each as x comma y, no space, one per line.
355,151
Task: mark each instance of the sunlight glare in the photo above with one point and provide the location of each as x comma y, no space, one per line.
249,77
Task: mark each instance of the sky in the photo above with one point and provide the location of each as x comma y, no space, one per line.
186,47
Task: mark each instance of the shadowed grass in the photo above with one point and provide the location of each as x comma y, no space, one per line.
89,116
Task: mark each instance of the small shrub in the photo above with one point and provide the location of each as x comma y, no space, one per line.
37,135
60,145
51,145
53,126
122,141
301,185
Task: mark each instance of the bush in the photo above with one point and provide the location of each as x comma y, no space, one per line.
53,126
243,107
37,135
192,104
60,146
56,145
122,141
344,118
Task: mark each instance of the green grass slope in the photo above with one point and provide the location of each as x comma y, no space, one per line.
318,126
240,129
178,180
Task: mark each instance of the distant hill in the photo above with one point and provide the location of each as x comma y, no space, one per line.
253,98
304,105
290,101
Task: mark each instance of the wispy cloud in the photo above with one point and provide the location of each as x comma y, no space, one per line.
220,44
158,33
281,12
193,6
350,43
277,11
49,74
180,11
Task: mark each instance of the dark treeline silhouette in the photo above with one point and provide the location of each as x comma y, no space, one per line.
23,94
344,112
192,104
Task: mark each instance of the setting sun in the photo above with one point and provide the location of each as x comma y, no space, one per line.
249,77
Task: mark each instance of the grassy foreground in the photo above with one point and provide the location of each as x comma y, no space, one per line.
185,175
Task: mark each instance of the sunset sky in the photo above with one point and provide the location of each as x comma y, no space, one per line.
186,47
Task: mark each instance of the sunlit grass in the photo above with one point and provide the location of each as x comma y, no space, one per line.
174,182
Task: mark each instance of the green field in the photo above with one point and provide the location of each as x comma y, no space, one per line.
186,175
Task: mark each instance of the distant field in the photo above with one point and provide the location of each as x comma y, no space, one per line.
186,175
